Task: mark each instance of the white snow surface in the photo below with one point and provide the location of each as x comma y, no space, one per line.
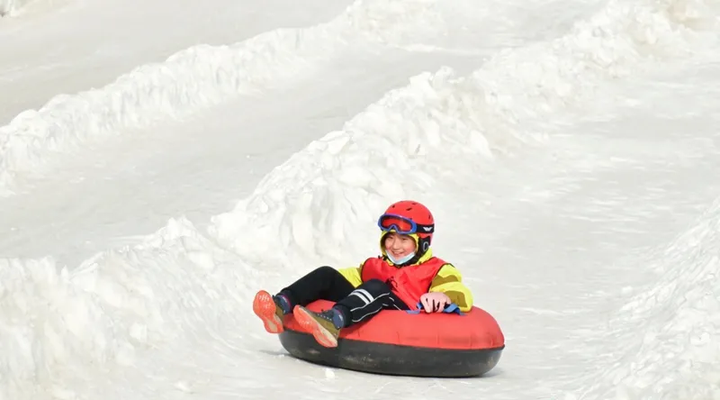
9,8
567,149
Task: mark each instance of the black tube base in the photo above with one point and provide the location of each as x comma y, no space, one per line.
391,359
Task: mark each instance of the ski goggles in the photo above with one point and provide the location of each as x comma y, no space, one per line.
402,225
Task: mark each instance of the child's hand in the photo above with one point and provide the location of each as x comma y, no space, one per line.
434,302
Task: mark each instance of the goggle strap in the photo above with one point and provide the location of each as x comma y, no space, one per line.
425,228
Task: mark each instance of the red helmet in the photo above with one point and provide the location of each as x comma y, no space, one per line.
409,217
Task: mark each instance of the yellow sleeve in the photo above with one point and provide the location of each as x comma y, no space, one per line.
352,274
449,281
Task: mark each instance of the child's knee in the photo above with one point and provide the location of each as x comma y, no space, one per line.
326,273
326,269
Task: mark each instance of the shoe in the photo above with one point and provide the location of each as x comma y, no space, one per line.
270,309
324,326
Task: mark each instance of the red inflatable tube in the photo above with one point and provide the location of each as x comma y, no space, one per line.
399,343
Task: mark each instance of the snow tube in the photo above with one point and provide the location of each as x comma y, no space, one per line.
405,343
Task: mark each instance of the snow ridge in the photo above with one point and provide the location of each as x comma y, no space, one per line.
398,146
622,39
669,334
57,323
200,76
9,8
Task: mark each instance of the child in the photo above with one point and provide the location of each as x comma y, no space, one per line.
404,275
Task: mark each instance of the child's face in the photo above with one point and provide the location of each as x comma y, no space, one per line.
399,245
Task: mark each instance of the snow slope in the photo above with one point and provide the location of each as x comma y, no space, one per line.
9,8
439,116
195,167
532,163
66,46
659,345
667,333
200,76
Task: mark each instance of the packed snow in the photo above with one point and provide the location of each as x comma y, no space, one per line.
567,149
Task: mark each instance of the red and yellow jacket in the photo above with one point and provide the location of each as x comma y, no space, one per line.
447,280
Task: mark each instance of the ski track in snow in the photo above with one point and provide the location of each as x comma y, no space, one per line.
152,298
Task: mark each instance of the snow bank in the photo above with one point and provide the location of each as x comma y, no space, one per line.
667,339
8,8
15,8
323,200
201,76
623,38
58,326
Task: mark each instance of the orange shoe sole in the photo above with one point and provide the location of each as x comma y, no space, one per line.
309,324
264,308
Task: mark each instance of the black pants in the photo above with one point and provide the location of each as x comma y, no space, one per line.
356,304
